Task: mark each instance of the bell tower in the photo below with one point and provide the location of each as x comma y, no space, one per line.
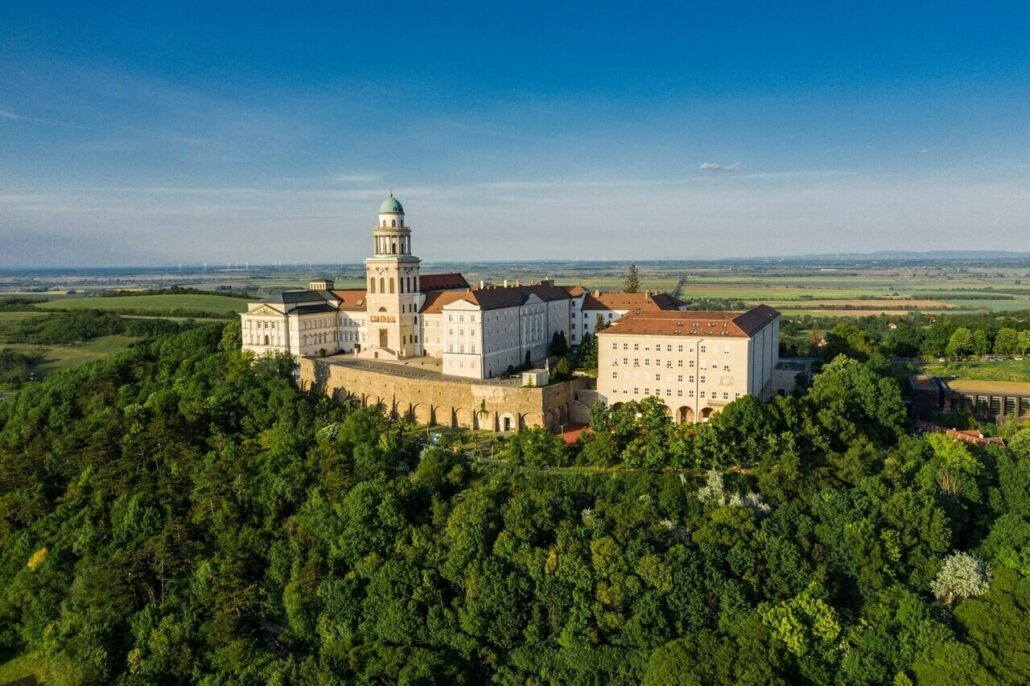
392,300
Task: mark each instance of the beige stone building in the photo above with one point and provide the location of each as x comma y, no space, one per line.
477,333
695,362
588,306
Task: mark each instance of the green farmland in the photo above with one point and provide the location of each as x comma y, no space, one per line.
157,304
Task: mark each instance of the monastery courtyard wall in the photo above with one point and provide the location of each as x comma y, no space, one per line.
435,400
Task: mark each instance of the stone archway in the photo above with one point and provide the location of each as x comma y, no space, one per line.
507,423
685,415
706,413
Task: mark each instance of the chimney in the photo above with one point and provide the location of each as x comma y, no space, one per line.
481,284
506,283
518,283
597,292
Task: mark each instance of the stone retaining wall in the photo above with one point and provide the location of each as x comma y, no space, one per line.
445,401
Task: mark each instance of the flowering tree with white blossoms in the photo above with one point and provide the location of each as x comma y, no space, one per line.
962,576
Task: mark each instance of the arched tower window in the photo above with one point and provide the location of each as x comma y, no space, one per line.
394,222
391,284
372,284
382,285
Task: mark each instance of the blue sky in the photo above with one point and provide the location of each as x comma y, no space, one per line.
160,133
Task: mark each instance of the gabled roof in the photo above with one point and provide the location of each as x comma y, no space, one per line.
350,299
442,282
709,324
515,296
312,309
294,297
435,300
493,298
631,302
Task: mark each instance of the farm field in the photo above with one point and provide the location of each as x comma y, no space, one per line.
220,304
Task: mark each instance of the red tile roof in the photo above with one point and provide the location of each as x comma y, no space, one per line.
435,300
631,302
352,299
677,323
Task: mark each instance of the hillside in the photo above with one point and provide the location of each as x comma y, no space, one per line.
177,514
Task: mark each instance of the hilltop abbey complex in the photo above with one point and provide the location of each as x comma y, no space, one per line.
436,350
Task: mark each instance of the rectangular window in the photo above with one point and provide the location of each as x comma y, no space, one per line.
680,348
657,377
615,346
636,346
636,361
691,364
702,348
615,375
702,379
691,394
679,378
679,393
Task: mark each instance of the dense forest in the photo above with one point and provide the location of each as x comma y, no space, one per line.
912,335
182,514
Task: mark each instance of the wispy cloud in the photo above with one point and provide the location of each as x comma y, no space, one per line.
717,168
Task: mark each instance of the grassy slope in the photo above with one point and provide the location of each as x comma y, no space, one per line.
58,357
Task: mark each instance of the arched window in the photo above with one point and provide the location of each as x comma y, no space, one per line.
372,285
382,285
394,222
393,247
391,284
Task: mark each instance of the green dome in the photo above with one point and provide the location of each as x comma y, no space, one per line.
391,206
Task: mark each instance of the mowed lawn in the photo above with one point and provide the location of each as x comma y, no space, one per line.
153,303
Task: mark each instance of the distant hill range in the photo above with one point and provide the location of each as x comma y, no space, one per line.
907,255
